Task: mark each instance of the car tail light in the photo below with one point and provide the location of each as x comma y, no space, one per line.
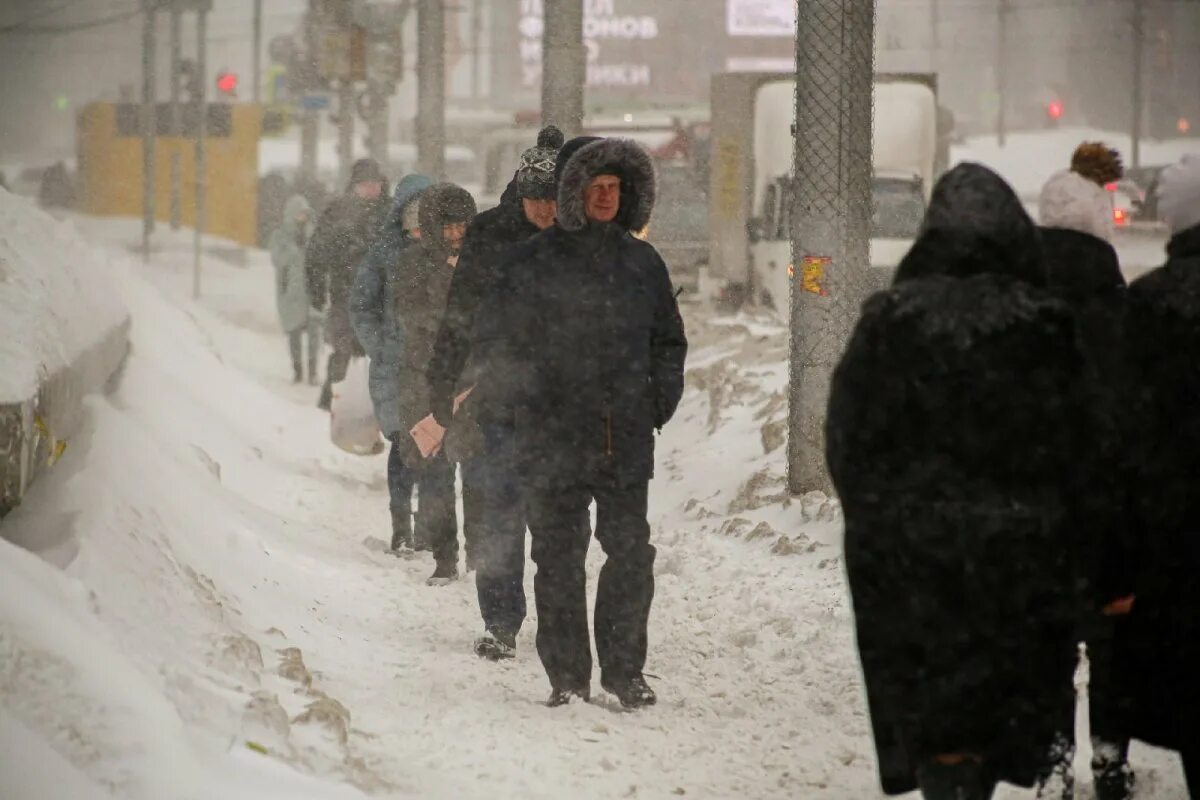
1120,216
1112,187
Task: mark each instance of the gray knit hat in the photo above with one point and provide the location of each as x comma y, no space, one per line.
535,176
1179,194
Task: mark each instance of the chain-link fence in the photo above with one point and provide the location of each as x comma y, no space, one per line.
835,61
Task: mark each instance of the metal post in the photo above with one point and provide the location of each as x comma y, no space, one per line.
257,56
201,129
564,66
431,87
345,116
309,119
1002,12
1139,42
149,123
831,205
176,118
377,121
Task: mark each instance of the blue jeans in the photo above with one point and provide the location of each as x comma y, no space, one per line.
500,546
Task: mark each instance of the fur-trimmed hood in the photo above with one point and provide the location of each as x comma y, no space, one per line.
624,158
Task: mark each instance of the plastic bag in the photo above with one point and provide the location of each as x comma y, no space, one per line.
352,423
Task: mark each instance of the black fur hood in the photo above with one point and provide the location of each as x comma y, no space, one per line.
621,157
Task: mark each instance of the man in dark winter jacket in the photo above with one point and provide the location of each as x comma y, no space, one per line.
343,233
491,490
422,287
373,314
1082,268
955,420
585,325
1158,656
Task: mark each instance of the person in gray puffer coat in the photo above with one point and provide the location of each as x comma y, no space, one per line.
381,334
287,245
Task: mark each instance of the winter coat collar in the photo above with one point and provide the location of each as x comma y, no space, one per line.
1080,263
1185,244
621,157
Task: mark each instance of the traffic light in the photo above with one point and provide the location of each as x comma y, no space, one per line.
1054,110
227,83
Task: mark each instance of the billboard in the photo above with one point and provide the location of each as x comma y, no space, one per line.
761,18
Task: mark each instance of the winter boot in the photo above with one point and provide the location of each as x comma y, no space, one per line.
402,535
562,697
632,692
1113,777
297,375
964,780
1057,778
496,646
445,574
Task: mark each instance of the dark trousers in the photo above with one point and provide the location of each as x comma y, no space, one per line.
345,346
558,521
1105,701
493,510
436,519
311,331
968,780
1191,771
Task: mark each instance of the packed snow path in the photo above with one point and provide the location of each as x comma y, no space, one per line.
212,615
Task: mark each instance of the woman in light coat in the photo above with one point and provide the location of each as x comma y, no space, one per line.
291,292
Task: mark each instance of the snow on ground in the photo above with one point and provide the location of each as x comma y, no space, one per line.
212,615
54,302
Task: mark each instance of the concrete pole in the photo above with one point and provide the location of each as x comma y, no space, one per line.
201,161
149,122
564,66
935,35
378,108
831,204
477,49
431,88
176,118
1139,60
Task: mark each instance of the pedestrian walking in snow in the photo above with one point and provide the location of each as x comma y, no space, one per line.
585,327
1158,654
491,487
373,314
1076,214
955,417
423,284
343,233
298,319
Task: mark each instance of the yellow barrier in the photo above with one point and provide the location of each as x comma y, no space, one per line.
110,169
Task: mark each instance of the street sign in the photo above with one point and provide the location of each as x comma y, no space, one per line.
315,102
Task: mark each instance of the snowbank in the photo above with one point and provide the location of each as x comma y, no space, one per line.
58,296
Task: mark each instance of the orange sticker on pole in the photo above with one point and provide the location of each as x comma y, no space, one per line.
814,271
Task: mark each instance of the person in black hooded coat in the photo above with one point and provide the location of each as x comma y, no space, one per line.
1159,653
584,330
953,421
491,492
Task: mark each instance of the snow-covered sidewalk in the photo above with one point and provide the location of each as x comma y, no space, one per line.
212,615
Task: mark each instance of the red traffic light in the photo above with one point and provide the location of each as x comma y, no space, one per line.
227,82
1055,109
1184,125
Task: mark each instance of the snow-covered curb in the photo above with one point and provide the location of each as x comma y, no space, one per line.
64,332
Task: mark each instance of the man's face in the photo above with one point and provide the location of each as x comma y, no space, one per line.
540,212
453,235
369,190
602,198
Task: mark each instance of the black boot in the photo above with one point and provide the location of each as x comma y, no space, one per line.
496,646
632,692
297,374
1056,780
965,780
1111,772
562,697
402,534
445,574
